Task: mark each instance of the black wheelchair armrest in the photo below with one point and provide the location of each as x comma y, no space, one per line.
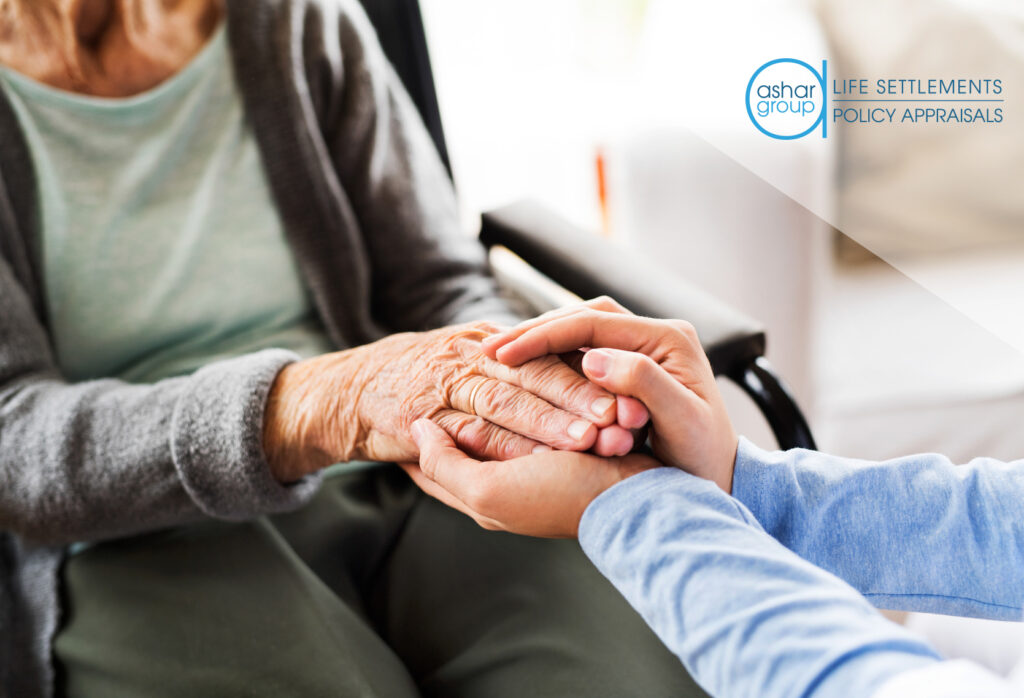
590,266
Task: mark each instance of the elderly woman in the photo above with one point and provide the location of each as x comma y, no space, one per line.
211,218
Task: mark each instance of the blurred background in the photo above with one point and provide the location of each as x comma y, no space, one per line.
887,261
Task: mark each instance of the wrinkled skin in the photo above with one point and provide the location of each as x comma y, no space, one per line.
357,404
361,403
106,48
659,362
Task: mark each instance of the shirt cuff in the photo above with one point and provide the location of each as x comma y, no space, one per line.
615,503
763,481
217,439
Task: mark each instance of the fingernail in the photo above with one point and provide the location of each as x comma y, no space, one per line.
418,432
492,338
578,428
596,363
542,448
601,405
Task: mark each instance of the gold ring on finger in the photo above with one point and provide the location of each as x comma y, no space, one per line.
471,408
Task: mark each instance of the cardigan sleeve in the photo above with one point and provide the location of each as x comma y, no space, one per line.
102,458
426,271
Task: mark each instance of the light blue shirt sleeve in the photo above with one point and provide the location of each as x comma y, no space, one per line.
916,533
745,615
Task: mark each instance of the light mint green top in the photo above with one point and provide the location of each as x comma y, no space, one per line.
162,250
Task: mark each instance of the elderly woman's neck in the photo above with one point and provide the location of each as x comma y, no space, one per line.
110,48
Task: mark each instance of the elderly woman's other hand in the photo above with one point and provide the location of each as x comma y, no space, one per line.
659,362
543,494
360,404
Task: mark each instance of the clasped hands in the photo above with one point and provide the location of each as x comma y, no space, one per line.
659,363
519,429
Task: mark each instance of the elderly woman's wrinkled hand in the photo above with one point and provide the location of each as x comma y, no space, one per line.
361,403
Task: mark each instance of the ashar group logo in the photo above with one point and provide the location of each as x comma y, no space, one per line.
787,98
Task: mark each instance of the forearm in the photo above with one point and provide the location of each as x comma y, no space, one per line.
304,399
917,533
746,616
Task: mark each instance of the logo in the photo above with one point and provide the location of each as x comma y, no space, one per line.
787,98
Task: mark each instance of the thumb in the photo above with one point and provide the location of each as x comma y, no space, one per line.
438,452
426,434
639,376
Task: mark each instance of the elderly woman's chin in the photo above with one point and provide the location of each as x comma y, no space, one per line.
106,48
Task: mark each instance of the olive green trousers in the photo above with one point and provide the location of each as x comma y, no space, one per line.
372,589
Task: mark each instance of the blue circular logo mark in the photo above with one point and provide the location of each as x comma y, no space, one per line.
786,99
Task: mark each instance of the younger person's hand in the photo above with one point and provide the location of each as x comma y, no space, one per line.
659,362
544,494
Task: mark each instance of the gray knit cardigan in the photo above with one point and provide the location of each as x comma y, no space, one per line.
370,215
